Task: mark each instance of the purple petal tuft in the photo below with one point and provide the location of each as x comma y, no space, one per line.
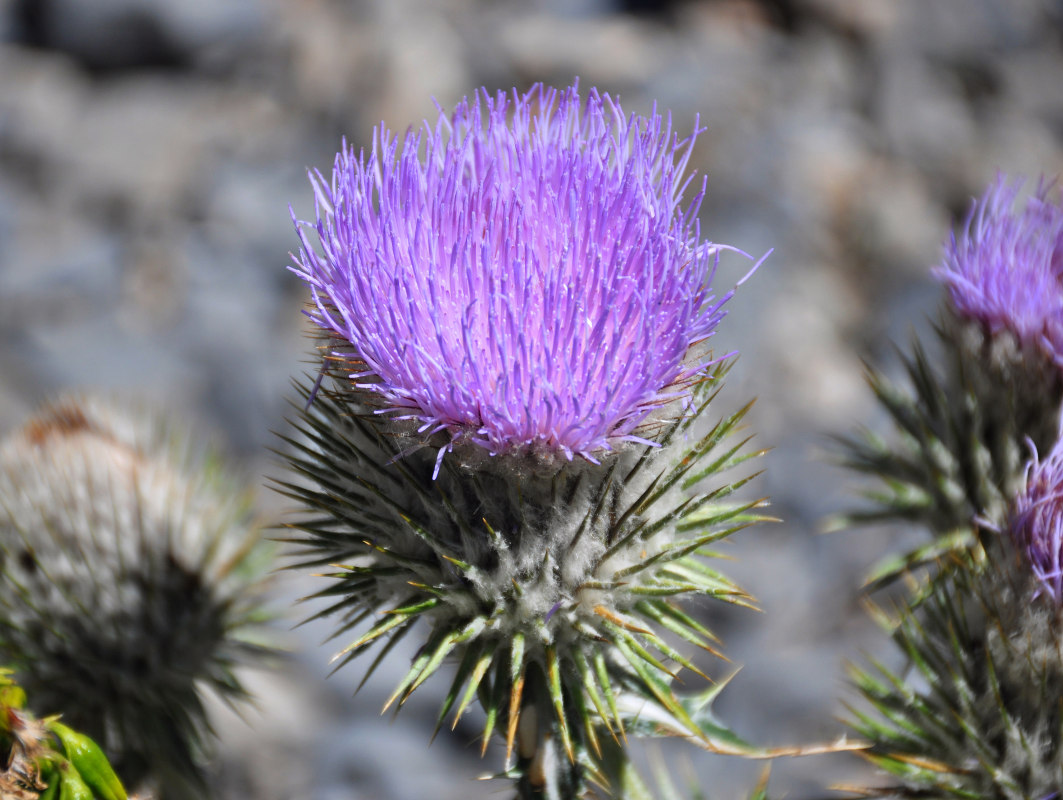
1006,268
1037,522
520,273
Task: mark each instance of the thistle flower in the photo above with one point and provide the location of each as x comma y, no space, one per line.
978,715
128,584
964,429
519,274
518,285
1005,270
1036,523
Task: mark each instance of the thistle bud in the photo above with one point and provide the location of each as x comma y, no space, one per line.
129,583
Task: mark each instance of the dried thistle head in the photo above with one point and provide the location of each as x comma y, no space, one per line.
130,582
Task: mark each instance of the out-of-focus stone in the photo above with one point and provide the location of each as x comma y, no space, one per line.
893,219
922,117
142,144
153,142
967,28
825,165
424,58
121,34
366,759
1031,81
815,373
333,60
868,19
611,52
41,100
245,205
1019,146
58,270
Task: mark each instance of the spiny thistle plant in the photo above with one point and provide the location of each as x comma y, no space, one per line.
504,448
981,716
977,713
964,430
45,759
131,580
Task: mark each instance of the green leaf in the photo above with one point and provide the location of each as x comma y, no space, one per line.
591,688
607,689
395,617
494,700
445,648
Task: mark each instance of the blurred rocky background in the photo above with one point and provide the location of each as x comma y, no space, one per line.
149,150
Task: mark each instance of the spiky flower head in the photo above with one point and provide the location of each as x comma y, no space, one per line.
128,582
964,428
1036,523
519,273
1005,269
516,285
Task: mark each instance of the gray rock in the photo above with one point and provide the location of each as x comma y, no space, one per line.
117,34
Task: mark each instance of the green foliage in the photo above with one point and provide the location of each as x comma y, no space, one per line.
552,585
46,759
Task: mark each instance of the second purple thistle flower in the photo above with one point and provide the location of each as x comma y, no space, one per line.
520,274
1005,270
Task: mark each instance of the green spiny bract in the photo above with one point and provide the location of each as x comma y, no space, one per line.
131,578
964,435
552,584
979,716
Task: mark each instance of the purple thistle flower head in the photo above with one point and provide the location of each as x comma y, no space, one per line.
519,274
1006,268
1036,523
